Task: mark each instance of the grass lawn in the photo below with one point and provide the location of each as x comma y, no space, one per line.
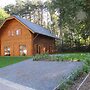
74,56
64,57
6,60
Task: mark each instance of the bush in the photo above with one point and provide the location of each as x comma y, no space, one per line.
38,57
69,81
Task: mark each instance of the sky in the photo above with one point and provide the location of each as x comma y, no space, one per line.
6,2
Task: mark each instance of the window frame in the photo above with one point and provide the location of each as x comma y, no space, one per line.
18,32
7,51
21,51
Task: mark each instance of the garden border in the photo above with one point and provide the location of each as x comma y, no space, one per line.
83,81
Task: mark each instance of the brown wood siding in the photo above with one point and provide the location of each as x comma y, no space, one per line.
15,41
45,43
35,43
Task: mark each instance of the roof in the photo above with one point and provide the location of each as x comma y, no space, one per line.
35,27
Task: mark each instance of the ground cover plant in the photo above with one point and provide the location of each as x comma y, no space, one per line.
6,60
64,57
70,80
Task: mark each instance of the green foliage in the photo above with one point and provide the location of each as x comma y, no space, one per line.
38,57
3,14
32,10
86,68
74,21
65,57
68,19
69,81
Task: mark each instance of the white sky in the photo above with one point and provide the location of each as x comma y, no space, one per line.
6,2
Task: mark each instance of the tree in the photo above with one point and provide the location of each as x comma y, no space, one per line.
27,9
68,11
53,23
3,15
68,19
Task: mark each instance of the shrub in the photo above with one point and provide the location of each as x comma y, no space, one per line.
41,56
69,81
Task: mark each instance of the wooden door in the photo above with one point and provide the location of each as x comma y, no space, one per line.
37,49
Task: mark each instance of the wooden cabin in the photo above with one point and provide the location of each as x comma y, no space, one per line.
20,37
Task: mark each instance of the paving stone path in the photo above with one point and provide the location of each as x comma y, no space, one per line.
39,75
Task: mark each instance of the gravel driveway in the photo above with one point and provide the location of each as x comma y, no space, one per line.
39,75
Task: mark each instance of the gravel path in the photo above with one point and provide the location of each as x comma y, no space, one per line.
39,75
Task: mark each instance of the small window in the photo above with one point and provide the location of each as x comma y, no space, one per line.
7,51
10,33
23,50
18,32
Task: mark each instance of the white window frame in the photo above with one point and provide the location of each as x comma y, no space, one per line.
18,32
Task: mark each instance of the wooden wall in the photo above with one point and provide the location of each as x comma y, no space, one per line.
15,41
47,44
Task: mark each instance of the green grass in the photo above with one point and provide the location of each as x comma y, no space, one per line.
74,56
6,60
64,57
82,57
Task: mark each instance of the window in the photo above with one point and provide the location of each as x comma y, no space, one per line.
10,33
23,50
18,32
7,51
